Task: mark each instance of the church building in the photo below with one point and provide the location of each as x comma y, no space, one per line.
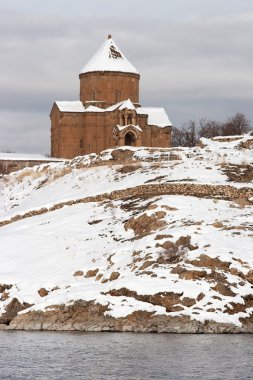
109,113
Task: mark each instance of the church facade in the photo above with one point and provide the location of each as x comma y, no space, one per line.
108,114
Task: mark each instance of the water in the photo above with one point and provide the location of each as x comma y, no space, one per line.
115,356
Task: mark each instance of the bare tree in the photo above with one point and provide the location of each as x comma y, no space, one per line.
190,132
7,151
186,136
209,128
236,125
177,137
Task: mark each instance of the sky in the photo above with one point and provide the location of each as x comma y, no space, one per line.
195,58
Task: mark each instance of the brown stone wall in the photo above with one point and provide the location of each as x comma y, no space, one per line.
156,137
225,192
55,132
98,131
76,134
67,129
9,166
160,137
105,85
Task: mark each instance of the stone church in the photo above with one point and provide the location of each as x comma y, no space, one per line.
108,114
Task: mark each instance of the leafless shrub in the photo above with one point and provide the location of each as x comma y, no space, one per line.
174,254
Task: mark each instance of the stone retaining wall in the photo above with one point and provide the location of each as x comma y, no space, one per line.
9,166
225,192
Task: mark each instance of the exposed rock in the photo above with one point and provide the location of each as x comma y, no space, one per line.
189,274
129,169
218,224
91,273
169,300
144,224
249,276
11,310
224,290
200,297
185,241
91,222
146,264
209,262
114,276
4,296
239,173
234,308
99,276
43,292
160,237
78,273
188,302
169,208
122,154
87,316
4,287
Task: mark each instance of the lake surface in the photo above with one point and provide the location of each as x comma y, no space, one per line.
102,356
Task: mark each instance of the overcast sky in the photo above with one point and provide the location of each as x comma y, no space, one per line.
195,58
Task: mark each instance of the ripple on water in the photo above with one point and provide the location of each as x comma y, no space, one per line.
117,356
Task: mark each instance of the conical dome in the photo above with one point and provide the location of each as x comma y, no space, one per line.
109,58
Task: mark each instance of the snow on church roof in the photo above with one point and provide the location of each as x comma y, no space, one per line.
156,115
127,104
72,106
109,58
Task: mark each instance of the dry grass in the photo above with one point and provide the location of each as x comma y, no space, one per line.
60,172
29,172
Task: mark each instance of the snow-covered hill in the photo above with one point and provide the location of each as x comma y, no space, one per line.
99,243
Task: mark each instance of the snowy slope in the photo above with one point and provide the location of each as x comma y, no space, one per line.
93,251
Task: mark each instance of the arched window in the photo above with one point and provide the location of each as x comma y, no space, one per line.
94,95
129,119
123,120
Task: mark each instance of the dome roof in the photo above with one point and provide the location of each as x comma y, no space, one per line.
109,58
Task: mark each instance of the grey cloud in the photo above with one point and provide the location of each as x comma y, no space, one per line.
192,68
24,132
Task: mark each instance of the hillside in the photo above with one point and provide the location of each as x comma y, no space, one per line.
135,239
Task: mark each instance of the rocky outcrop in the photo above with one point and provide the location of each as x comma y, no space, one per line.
144,224
43,292
88,316
11,311
239,173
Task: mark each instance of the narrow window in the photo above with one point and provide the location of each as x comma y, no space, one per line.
123,120
117,96
81,143
94,95
129,120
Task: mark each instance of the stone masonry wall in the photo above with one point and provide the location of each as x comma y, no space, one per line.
144,191
9,166
109,87
75,134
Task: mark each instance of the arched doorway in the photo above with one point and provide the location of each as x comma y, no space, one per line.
130,139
